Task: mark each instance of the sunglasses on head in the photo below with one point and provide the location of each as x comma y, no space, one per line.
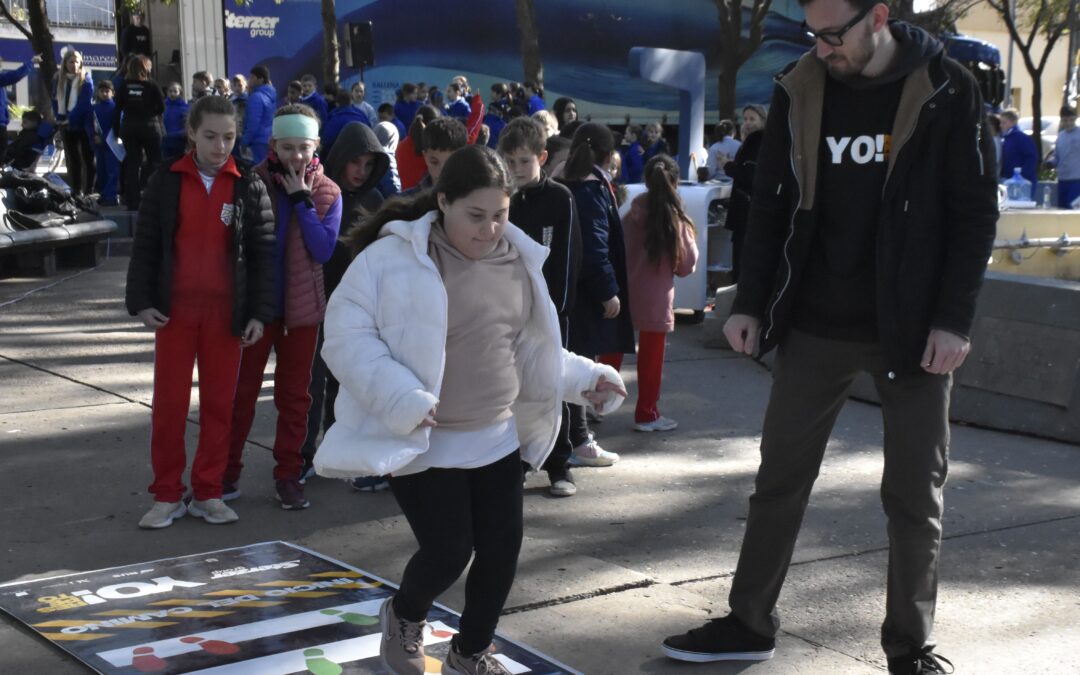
835,38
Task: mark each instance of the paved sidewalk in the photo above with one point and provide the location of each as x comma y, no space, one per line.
644,550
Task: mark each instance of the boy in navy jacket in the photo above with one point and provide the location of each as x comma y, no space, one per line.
98,126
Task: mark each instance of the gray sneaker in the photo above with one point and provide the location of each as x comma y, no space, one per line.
213,511
161,514
402,644
483,663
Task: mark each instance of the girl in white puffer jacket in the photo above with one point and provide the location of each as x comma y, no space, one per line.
448,350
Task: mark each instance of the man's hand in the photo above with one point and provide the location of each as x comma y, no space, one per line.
612,307
253,332
945,352
152,318
741,331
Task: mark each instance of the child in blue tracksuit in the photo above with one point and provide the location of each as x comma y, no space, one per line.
99,124
175,119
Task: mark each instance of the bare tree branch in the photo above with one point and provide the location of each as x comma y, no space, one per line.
14,22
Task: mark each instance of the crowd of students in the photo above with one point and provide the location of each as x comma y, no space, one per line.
442,341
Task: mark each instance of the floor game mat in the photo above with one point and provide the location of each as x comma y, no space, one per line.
266,609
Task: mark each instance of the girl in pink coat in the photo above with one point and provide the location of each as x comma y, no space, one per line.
660,245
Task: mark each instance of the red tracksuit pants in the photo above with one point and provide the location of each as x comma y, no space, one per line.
650,367
295,351
202,333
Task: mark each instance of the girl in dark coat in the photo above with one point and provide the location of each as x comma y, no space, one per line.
741,169
600,322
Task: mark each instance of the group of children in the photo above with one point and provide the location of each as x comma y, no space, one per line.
429,332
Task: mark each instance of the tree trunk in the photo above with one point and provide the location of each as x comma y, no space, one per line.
1036,122
331,53
42,43
726,88
530,42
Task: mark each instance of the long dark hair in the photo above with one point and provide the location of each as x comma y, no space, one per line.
559,107
665,212
592,145
424,115
467,170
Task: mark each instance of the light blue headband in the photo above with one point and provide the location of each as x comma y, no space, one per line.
295,126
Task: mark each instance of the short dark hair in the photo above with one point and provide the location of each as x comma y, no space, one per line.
386,107
295,84
454,86
1067,111
408,88
261,72
203,76
523,132
31,115
104,84
445,133
209,105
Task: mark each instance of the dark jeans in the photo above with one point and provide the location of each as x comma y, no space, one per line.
452,513
140,139
810,384
557,461
578,425
79,157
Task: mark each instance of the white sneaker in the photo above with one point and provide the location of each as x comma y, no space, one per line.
213,511
659,424
591,454
161,514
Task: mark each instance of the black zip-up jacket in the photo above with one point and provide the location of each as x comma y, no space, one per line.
938,211
150,272
547,213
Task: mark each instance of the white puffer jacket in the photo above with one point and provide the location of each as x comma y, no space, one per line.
385,342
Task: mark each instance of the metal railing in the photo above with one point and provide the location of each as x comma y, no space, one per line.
72,13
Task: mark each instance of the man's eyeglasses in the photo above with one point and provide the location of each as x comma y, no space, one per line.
835,38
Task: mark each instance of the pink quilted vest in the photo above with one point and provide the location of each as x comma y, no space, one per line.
305,292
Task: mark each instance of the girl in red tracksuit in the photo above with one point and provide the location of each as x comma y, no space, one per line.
660,246
201,276
307,211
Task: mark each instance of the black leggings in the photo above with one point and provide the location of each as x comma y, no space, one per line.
453,512
140,138
79,157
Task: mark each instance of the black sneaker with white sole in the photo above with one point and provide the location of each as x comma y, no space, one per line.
920,662
724,639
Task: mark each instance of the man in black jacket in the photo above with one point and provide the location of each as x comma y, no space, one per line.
872,220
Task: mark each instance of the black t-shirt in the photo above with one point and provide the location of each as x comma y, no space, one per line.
837,292
139,101
135,40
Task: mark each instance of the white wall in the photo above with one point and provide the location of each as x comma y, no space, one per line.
202,40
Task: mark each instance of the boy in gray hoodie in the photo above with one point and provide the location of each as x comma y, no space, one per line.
357,163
